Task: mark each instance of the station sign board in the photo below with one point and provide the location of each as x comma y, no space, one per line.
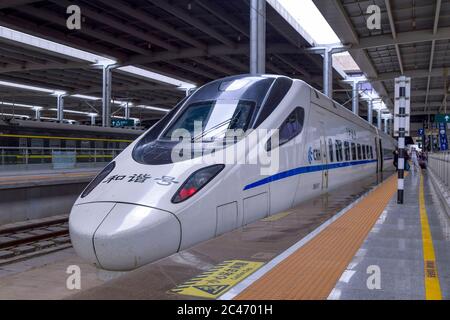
443,141
118,123
442,118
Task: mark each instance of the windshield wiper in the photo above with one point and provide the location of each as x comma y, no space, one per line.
221,124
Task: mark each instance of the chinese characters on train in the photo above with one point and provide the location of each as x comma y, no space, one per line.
142,178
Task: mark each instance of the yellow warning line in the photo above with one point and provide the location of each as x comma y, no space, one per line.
432,287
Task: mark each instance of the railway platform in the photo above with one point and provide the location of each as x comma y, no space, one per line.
363,246
33,178
35,194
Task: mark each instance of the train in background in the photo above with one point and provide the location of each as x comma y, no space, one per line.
145,206
32,142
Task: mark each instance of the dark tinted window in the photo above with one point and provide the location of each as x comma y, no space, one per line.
278,91
330,150
339,156
214,118
354,151
359,152
290,128
347,150
364,150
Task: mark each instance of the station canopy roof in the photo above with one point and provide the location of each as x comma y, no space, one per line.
194,41
413,40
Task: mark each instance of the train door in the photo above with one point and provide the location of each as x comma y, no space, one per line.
381,158
377,153
324,156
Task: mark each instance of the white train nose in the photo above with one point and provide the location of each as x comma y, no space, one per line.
126,237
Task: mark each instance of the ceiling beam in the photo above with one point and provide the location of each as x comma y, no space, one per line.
402,38
118,25
195,22
5,4
49,16
394,33
334,12
433,47
419,73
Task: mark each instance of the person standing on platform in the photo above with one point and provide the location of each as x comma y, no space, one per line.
396,159
415,160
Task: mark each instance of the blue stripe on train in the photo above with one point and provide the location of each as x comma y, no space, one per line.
302,170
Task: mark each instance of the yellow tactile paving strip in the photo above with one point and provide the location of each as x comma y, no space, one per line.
312,271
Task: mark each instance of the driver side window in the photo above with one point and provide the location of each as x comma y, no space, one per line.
292,126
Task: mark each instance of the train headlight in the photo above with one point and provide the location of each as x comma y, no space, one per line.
99,178
196,181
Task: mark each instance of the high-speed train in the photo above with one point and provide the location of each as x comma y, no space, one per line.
153,201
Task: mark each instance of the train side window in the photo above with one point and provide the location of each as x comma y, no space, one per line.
330,150
371,152
339,157
347,150
368,152
359,152
290,128
364,151
354,151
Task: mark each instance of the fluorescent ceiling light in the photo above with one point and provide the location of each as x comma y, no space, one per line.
25,87
71,111
29,40
157,77
14,115
12,104
24,38
85,97
152,108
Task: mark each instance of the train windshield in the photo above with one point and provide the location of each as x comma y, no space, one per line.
209,121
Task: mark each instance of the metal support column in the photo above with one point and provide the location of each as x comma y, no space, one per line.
60,107
37,114
328,73
370,111
93,116
127,111
106,98
355,97
258,36
379,119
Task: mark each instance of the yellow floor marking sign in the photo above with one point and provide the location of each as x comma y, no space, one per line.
277,216
432,287
216,281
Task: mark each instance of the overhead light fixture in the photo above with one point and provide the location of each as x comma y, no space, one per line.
15,115
157,77
152,108
13,104
85,97
71,111
25,87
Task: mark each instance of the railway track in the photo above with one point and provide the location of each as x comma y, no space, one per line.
27,240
